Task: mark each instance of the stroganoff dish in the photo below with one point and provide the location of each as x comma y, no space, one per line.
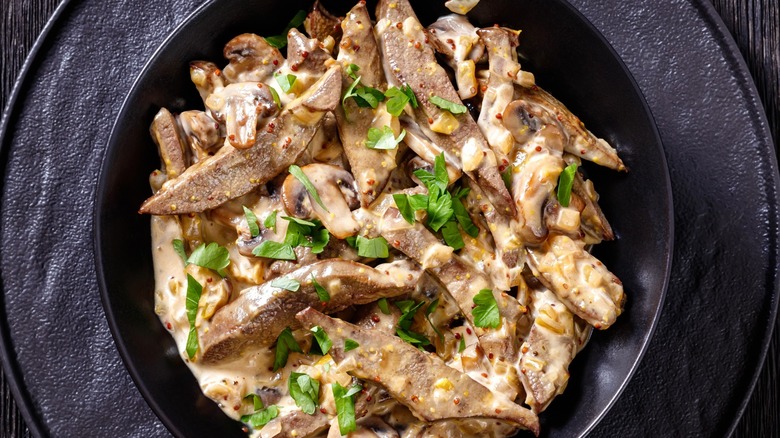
382,234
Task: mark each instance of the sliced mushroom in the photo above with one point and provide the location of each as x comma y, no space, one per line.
306,59
251,58
456,39
418,380
579,141
335,188
165,134
232,172
457,134
257,317
461,6
320,23
579,280
534,180
371,167
207,77
424,147
202,134
240,106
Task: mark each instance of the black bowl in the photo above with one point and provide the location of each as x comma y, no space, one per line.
569,57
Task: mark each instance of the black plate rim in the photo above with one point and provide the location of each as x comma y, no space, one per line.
13,379
740,70
125,109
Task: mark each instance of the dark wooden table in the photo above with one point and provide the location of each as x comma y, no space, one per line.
755,25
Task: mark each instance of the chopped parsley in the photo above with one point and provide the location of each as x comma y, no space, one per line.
397,98
351,71
375,248
383,306
321,341
274,250
462,345
257,402
194,290
345,406
486,310
285,343
251,221
178,246
404,328
285,82
290,284
565,181
305,391
383,138
322,293
262,417
279,41
350,344
454,108
211,256
275,96
310,234
270,221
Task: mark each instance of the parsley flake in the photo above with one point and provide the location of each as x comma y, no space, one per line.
285,82
275,96
285,343
305,391
375,248
178,246
463,218
274,250
383,306
345,406
211,256
486,310
351,70
257,402
350,344
251,221
322,341
194,290
279,41
383,138
261,418
270,221
462,345
454,108
565,181
322,293
290,284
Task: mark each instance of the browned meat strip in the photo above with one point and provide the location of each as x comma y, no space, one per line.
232,172
169,143
261,312
420,381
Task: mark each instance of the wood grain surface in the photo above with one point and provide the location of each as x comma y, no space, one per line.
755,25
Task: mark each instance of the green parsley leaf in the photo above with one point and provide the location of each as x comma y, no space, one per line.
351,70
270,221
418,202
285,82
351,241
322,341
462,345
454,108
383,138
305,391
345,406
275,96
396,101
460,192
274,250
451,235
194,290
408,309
402,202
439,177
279,41
368,97
383,306
257,402
211,256
439,208
375,248
350,92
463,218
285,343
414,338
409,93
322,293
298,221
319,240
261,418
565,181
486,311
290,284
350,344
506,176
251,221
178,246
298,173
432,307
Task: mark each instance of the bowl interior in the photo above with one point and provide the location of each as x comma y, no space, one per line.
569,58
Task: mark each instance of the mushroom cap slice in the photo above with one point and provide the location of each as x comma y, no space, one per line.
257,317
418,380
251,58
336,189
232,172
